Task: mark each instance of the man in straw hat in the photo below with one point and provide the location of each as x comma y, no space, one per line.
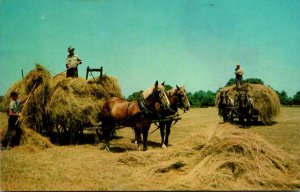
72,63
239,75
14,112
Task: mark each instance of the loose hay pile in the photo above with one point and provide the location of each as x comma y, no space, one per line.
228,158
266,101
67,103
237,159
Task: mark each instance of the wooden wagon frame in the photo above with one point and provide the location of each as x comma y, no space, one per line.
98,128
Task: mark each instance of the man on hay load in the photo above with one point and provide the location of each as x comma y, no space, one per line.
72,63
238,75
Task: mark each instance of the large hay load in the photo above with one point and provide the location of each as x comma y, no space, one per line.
61,105
266,101
76,103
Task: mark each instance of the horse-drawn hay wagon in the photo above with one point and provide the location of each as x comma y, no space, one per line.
61,107
252,102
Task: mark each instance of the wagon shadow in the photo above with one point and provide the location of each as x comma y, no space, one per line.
257,123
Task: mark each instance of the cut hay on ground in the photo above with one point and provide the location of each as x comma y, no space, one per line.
228,158
232,158
237,159
33,140
71,103
266,101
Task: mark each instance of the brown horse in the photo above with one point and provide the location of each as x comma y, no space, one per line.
178,99
226,106
137,114
245,108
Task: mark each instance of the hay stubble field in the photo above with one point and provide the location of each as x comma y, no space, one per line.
204,153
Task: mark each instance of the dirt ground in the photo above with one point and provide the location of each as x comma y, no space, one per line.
191,162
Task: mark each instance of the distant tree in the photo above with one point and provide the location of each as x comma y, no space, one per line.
296,98
230,82
249,80
168,87
202,98
254,81
133,96
284,99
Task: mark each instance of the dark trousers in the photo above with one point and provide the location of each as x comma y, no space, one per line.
239,80
13,125
72,72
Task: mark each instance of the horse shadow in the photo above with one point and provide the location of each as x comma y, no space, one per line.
154,144
127,148
118,149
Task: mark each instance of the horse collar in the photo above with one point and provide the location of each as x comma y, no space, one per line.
143,105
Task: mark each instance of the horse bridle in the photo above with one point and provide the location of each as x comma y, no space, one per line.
157,99
179,104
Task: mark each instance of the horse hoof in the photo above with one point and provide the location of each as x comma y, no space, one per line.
164,146
140,149
105,148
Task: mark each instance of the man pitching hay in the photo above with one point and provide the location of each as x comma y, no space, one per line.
14,112
72,63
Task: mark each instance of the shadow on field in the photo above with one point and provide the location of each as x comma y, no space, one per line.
154,144
257,123
119,149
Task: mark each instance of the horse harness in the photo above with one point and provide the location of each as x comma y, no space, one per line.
145,110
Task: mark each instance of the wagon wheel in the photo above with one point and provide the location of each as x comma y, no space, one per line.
60,132
255,119
99,133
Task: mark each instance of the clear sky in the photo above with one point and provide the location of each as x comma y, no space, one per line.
195,43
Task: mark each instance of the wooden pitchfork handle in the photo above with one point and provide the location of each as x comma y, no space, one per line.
59,73
26,101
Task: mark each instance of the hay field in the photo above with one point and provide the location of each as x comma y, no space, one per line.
205,154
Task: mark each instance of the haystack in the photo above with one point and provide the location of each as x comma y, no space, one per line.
266,101
36,84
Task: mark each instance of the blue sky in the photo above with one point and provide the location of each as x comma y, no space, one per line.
195,43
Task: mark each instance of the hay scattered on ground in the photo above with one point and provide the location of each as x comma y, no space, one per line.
237,159
266,101
33,140
227,158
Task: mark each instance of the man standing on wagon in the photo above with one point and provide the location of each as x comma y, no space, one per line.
72,63
239,75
